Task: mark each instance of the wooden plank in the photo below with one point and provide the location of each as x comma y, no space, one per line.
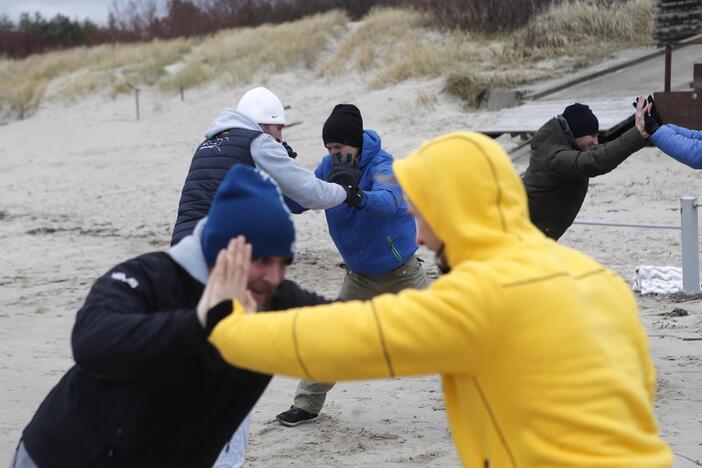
529,117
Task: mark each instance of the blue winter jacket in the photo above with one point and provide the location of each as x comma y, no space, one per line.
680,143
378,236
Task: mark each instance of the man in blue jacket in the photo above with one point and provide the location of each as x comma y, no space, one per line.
373,232
147,388
680,143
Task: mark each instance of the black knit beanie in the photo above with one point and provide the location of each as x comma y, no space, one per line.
581,120
344,125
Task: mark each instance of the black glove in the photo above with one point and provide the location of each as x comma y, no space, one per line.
654,112
346,172
650,124
652,119
354,195
290,151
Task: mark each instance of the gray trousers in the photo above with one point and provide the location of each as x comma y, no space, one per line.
22,458
310,395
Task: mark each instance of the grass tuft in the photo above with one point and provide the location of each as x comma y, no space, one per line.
238,55
473,87
586,28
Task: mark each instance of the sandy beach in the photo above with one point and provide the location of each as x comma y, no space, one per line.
86,186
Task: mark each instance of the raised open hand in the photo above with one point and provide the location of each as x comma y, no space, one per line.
228,280
643,119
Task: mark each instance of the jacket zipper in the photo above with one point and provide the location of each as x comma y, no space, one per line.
115,441
394,251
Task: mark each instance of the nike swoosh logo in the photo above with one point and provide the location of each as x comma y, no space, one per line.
274,116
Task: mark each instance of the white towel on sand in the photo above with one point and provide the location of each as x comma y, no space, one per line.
657,280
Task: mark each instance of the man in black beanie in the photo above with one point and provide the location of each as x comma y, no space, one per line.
564,155
373,231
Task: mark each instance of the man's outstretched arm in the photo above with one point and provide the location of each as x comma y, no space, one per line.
295,181
682,146
600,160
413,333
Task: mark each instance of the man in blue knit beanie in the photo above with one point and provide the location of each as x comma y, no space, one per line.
249,203
147,388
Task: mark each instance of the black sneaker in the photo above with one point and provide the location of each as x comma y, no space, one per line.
294,417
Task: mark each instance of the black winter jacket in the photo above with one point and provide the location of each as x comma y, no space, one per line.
211,162
147,388
558,175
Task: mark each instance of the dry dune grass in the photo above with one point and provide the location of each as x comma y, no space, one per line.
376,39
236,56
84,70
585,30
232,56
114,68
390,45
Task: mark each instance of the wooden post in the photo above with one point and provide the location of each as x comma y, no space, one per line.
136,95
668,60
182,96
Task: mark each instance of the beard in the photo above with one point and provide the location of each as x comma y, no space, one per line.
261,292
440,261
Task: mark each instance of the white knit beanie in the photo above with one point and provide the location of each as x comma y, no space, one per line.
262,106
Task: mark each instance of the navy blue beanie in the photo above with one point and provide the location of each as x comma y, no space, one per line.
581,120
248,203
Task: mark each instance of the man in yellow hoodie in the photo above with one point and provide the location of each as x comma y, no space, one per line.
543,359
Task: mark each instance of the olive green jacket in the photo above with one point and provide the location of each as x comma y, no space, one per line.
557,178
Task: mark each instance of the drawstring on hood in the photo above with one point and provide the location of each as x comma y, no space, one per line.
440,260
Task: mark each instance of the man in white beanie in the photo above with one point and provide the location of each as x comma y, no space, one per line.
251,134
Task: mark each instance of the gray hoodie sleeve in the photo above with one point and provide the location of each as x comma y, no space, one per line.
294,181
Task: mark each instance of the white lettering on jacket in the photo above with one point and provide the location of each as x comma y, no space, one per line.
119,276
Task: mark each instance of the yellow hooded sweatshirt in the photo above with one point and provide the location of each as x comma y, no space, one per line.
543,359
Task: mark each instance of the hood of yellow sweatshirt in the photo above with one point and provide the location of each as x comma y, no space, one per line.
465,187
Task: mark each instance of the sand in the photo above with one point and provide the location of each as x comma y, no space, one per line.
85,186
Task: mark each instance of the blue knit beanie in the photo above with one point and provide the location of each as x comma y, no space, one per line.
248,203
581,120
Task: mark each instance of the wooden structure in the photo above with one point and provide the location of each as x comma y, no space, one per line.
677,20
683,108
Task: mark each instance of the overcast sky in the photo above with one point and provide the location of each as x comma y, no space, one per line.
96,10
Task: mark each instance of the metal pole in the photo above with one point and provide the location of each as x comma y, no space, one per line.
631,225
668,60
136,95
690,245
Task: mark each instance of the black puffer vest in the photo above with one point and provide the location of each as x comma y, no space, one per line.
211,162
